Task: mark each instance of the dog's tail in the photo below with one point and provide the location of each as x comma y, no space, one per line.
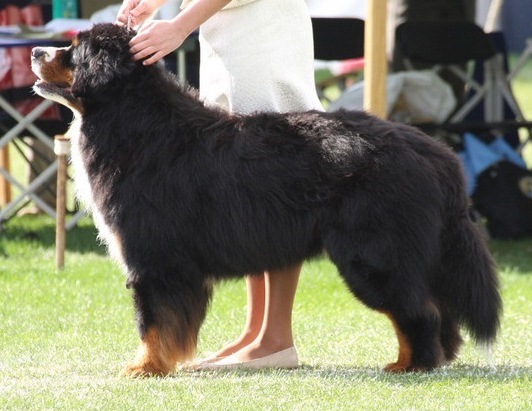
469,283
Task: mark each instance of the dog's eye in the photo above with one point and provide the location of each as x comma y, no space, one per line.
66,58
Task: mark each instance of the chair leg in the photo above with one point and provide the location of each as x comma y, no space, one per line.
505,90
5,187
62,150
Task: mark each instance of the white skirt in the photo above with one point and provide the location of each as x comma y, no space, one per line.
259,57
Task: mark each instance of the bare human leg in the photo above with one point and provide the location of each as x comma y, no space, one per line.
276,332
274,344
267,339
256,301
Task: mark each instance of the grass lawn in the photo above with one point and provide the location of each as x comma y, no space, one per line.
66,336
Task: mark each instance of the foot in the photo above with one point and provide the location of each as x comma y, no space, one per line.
241,342
197,364
253,351
229,349
286,359
260,348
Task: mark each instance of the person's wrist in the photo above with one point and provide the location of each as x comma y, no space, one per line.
159,3
181,28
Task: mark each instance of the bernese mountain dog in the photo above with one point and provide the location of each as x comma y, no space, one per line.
186,195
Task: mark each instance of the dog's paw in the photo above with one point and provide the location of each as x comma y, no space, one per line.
144,370
398,368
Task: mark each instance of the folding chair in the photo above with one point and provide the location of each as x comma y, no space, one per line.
452,45
13,123
19,111
339,43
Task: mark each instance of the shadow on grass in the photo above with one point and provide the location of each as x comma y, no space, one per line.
450,373
455,373
41,230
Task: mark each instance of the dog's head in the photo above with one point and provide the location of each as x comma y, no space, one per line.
97,62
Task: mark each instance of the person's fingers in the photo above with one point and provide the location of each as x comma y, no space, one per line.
123,13
153,41
143,49
139,41
154,58
134,13
121,19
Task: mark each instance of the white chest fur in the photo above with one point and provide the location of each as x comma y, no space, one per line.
84,193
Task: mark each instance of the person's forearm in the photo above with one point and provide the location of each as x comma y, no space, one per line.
158,3
197,13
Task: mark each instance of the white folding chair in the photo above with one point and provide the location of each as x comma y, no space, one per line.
452,45
29,191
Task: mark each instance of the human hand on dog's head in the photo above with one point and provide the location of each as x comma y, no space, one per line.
155,39
135,12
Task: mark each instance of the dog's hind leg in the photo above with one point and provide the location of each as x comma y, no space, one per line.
169,317
418,334
405,301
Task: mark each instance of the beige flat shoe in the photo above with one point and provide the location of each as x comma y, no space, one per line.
282,359
196,364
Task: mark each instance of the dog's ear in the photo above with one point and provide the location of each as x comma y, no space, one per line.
101,71
102,59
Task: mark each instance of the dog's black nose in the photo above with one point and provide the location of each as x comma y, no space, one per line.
38,53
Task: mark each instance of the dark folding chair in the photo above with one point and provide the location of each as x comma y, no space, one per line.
338,40
454,45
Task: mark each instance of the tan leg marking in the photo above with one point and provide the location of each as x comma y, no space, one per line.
404,361
153,357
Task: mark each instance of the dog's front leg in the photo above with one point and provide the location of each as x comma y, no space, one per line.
155,357
169,316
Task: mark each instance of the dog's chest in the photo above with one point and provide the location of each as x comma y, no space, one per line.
84,192
81,178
